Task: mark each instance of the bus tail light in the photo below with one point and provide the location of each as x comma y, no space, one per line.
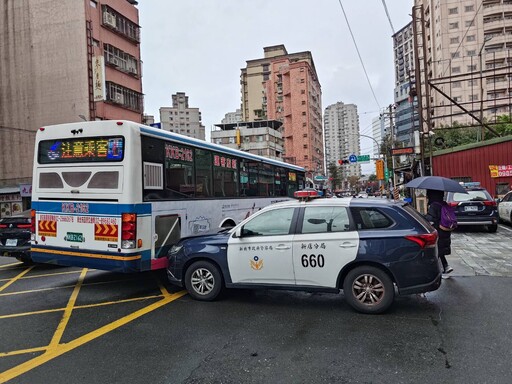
128,230
33,224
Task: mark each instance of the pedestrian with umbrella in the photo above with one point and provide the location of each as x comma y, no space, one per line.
439,213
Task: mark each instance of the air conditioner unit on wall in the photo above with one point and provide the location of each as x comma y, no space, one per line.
132,70
109,19
114,61
119,98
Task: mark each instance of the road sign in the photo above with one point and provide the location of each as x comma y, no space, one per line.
320,178
379,169
363,158
352,158
386,174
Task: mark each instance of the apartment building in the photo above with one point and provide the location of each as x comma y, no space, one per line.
468,58
405,116
181,118
262,137
285,87
232,117
341,129
64,62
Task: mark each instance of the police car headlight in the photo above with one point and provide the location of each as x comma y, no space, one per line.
175,248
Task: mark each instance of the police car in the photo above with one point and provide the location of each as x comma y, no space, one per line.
365,247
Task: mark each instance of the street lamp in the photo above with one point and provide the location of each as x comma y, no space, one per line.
482,132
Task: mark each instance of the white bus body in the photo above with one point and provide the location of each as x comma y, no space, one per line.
115,195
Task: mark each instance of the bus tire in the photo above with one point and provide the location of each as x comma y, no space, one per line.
203,281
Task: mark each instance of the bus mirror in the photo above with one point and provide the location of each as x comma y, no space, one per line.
238,232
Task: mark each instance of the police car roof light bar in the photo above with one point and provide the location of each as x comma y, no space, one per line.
305,195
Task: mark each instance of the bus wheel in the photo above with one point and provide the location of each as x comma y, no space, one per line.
203,281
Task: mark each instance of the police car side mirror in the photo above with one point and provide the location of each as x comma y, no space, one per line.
238,232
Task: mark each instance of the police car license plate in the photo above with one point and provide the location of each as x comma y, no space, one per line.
75,237
471,208
11,242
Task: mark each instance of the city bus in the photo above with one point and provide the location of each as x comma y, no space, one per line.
116,195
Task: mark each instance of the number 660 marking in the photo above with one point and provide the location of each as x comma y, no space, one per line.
313,261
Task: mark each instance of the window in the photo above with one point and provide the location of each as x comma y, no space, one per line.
456,84
455,55
271,223
454,40
469,8
453,11
453,25
325,219
302,91
370,218
125,97
471,38
471,52
455,69
472,67
225,176
203,163
120,59
469,23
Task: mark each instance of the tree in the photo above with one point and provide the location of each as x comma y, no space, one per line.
335,175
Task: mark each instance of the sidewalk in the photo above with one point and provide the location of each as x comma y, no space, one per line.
477,252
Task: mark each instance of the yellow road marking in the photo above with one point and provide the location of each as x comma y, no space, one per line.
67,312
64,348
22,351
10,265
45,275
43,311
19,276
64,287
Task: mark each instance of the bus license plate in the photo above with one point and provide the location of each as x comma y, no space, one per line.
75,237
11,242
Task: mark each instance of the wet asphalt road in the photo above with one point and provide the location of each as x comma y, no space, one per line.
62,325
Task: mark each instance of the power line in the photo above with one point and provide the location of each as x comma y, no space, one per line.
358,54
387,14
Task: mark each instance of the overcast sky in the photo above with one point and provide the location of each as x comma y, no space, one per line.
199,46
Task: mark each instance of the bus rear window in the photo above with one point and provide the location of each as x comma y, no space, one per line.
81,150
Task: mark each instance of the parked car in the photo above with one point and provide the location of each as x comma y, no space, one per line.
505,208
15,237
477,207
365,247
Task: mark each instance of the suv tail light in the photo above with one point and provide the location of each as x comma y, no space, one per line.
427,240
490,203
452,203
128,230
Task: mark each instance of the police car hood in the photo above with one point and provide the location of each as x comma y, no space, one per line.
218,235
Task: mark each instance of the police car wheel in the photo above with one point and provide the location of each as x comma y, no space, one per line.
368,289
203,281
492,228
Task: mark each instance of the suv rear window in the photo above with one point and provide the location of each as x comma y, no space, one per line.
472,195
370,218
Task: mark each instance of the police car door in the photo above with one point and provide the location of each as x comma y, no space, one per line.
323,245
263,253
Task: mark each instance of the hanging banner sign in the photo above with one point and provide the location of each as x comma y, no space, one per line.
500,170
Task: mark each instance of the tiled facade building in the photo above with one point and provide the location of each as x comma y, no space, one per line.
182,119
64,62
341,127
285,87
469,42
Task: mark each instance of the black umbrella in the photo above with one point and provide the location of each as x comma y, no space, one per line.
437,183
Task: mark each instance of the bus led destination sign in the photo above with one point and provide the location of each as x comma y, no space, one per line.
76,150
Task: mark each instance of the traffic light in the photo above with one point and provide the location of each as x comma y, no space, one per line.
344,161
